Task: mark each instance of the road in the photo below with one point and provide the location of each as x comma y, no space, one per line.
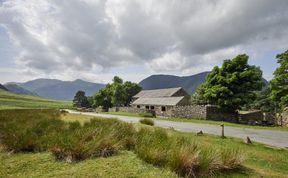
268,137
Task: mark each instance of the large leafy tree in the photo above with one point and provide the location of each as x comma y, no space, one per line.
279,84
130,89
263,102
80,100
103,97
118,93
231,86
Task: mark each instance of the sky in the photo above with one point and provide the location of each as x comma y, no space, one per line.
94,40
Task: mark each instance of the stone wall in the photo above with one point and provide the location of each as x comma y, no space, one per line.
190,111
252,118
127,109
100,109
269,119
208,112
284,120
213,113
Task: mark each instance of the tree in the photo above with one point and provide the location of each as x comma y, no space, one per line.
80,100
103,97
279,84
231,86
263,101
130,89
117,80
116,94
118,91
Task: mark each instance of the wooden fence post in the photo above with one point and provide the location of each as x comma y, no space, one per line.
222,134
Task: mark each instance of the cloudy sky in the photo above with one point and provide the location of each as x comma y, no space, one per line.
97,39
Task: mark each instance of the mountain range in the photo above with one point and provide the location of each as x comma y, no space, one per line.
62,90
189,83
14,88
65,90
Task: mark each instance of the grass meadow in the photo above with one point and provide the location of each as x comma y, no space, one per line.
49,143
10,100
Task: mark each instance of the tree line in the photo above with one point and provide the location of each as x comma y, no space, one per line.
118,93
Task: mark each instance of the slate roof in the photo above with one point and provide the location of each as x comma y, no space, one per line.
164,101
167,92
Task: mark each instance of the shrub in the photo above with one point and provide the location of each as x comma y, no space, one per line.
147,121
147,114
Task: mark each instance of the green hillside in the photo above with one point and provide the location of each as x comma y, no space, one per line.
15,101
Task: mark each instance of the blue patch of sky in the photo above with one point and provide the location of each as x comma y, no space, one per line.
266,61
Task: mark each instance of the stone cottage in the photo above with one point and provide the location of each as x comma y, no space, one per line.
161,101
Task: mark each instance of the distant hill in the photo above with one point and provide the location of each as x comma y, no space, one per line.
14,88
3,88
189,83
62,90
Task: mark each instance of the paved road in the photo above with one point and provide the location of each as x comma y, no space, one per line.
269,137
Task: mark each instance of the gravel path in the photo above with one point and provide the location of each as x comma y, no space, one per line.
269,137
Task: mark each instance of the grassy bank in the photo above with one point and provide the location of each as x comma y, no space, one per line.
125,164
201,121
154,154
10,100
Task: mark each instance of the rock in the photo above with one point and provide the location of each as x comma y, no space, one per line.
200,133
248,141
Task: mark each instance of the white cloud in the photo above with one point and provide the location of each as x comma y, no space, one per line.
168,62
87,37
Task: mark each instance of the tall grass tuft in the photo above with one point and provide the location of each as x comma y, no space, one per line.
185,161
21,130
232,159
98,138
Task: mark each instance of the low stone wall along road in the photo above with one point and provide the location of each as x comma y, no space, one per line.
269,137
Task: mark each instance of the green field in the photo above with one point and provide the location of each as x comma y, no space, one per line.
125,164
10,100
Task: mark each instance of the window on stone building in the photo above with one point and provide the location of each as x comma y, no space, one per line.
138,106
163,108
152,107
147,107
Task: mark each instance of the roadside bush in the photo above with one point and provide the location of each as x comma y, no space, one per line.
147,121
147,114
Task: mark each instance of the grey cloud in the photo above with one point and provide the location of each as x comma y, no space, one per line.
80,34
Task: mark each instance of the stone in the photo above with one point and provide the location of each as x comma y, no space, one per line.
248,141
200,133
